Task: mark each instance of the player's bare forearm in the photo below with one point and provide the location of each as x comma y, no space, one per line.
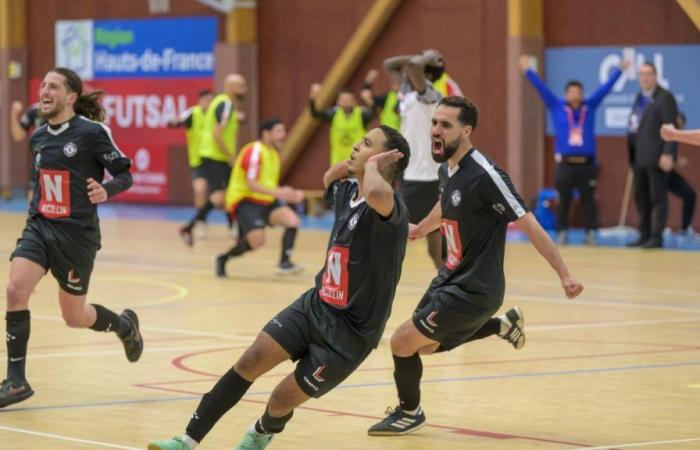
255,186
337,172
431,222
18,133
543,243
687,136
219,138
378,193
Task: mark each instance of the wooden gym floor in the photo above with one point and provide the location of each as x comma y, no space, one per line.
617,368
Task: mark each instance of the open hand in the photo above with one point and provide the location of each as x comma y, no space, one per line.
524,62
314,90
385,159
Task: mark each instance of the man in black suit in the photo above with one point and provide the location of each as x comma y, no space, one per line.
651,157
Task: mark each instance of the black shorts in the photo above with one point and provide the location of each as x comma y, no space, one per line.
251,215
197,172
217,174
420,198
68,250
325,348
452,319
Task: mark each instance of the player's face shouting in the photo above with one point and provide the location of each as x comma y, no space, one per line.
53,95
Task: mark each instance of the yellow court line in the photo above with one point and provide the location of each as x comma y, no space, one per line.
181,292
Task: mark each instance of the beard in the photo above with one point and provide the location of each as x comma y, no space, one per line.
448,149
57,108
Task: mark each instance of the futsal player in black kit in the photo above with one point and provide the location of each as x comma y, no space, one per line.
332,327
477,201
62,232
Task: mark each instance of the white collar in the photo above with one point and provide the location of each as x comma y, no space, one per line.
58,130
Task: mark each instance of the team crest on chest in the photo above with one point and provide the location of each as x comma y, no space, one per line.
352,223
456,198
70,149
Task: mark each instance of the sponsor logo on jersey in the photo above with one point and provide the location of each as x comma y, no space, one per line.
70,149
450,229
334,283
456,198
55,193
352,223
499,208
109,157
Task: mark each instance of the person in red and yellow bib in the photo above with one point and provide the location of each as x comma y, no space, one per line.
256,199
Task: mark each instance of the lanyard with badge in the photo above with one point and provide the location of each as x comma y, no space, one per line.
576,128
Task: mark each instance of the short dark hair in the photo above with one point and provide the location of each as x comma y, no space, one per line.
573,83
650,64
395,140
269,123
346,90
205,92
468,111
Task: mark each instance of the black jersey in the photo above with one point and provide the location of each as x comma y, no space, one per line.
478,201
363,262
66,156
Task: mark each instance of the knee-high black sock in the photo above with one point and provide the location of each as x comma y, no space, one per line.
17,326
407,374
201,215
290,235
223,396
268,424
491,327
229,219
108,320
237,250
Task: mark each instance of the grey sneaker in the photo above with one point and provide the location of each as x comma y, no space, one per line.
591,238
397,422
514,322
562,237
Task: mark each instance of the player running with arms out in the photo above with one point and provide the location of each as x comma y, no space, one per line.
332,327
62,232
477,202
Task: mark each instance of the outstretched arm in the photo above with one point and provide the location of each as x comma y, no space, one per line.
605,88
544,245
670,133
430,223
546,94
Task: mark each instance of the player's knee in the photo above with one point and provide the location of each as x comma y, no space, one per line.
256,238
293,221
248,365
16,294
400,343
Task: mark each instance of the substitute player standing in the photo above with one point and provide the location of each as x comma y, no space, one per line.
477,202
62,232
332,327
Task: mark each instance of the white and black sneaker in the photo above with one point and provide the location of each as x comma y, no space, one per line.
513,327
398,422
289,268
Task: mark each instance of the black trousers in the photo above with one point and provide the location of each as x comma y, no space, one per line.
582,177
679,186
650,195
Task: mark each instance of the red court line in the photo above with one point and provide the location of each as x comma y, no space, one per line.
451,429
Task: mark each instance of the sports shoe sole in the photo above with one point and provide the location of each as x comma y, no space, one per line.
16,398
396,433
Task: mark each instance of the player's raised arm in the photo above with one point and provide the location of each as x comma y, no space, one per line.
378,192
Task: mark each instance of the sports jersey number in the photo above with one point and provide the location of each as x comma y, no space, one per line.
55,193
334,285
450,229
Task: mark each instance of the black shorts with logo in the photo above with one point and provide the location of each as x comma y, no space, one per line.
420,198
217,174
451,319
251,215
325,348
68,250
197,172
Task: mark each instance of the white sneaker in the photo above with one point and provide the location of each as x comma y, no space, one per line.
200,230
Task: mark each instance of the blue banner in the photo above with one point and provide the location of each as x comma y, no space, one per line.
677,68
138,48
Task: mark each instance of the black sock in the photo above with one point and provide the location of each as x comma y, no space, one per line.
215,403
237,250
491,327
201,215
407,374
230,220
17,326
290,234
108,320
269,425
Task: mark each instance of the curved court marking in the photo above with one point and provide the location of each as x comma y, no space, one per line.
65,438
181,292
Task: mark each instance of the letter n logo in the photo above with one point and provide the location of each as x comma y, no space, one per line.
334,282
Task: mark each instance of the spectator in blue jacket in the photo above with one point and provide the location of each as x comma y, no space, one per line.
573,118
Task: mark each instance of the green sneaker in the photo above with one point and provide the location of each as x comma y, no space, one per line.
254,440
176,443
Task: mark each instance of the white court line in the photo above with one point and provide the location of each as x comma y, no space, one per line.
611,324
65,438
120,352
640,444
